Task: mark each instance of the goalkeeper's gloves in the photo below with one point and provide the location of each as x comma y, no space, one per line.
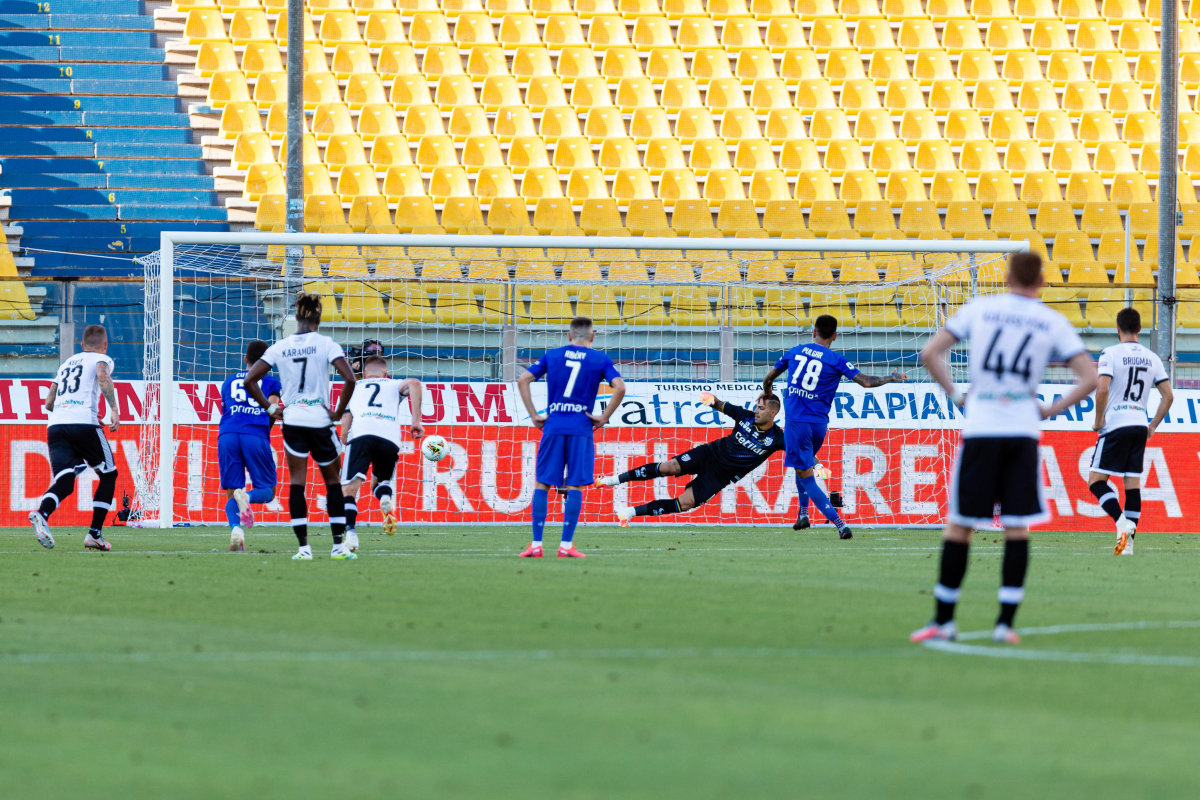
708,398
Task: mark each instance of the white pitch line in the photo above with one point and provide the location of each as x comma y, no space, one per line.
417,656
1025,654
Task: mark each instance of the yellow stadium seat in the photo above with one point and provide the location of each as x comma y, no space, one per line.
724,93
390,151
557,123
248,149
897,10
481,151
227,87
238,118
1097,126
918,216
887,156
370,212
752,155
375,120
429,28
919,35
932,156
531,61
740,34
423,122
350,58
946,10
573,152
1069,157
995,186
549,215
978,156
1007,127
784,124
344,150
876,309
541,182
959,35
905,187
724,184
271,214
1129,189
1021,66
1052,126
767,185
647,123
365,89
322,210
931,64
1126,98
873,34
258,58
814,94
1112,158
1011,219
1035,96
646,217
281,29
499,91
769,94
563,30
312,154
1085,187
1054,218
356,180
799,64
459,214
263,179
679,93
495,181
410,90
797,155
468,120
1038,187
664,63
784,308
204,25
633,93
249,25
975,66
964,218
755,64
739,123
577,61
828,34
1137,36
621,62
828,217
1100,218
598,214
402,181
1076,250
487,61
1140,128
859,94
617,153
339,27
678,184
215,55
918,124
903,94
397,59
814,185
607,31
947,93
888,65
872,217
784,219
690,218
1080,96
1049,36
844,155
1023,157
277,122
632,184
963,124
949,186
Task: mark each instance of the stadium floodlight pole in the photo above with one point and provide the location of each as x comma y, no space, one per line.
1168,163
295,140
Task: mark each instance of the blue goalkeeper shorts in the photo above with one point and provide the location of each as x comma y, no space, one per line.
566,459
801,441
238,454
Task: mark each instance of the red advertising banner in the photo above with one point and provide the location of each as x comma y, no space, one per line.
887,477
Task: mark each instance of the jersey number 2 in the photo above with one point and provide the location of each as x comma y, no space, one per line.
374,387
807,372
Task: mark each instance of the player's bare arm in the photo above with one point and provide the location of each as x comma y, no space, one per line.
253,388
413,390
933,356
1166,396
769,381
104,379
1101,401
872,381
343,368
610,408
1085,383
49,404
524,384
347,421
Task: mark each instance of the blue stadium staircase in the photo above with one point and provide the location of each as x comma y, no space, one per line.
95,145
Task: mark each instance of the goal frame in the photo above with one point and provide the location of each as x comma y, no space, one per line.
166,283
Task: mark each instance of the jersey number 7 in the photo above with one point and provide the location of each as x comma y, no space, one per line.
303,362
574,367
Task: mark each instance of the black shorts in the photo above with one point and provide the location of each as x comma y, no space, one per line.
991,470
320,443
74,448
370,452
711,476
1121,452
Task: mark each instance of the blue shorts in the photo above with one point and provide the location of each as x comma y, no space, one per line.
566,459
238,454
801,441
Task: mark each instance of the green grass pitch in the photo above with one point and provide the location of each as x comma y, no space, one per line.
688,663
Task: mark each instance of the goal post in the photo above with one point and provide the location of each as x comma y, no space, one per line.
466,314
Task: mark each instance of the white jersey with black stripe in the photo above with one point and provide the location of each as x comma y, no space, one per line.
375,407
1012,339
1133,370
77,401
303,360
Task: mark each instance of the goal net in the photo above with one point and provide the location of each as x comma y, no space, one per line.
466,315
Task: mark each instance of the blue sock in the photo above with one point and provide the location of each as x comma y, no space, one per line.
821,501
541,499
571,509
260,496
801,495
231,513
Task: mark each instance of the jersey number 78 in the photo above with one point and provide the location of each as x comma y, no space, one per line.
807,372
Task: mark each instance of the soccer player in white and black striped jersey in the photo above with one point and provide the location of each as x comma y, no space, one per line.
75,436
303,360
1012,338
1126,372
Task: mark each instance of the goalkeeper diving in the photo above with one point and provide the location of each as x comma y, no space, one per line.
716,464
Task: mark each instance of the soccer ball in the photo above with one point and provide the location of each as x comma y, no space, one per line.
434,448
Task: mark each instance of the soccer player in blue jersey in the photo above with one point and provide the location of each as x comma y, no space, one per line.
814,372
244,445
566,454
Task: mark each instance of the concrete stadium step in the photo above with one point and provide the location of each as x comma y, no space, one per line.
99,150
71,197
83,265
101,180
29,70
53,54
95,244
22,37
74,87
67,133
71,22
123,7
161,213
30,103
99,119
64,212
116,166
111,229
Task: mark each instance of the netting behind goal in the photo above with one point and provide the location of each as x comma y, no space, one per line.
467,315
